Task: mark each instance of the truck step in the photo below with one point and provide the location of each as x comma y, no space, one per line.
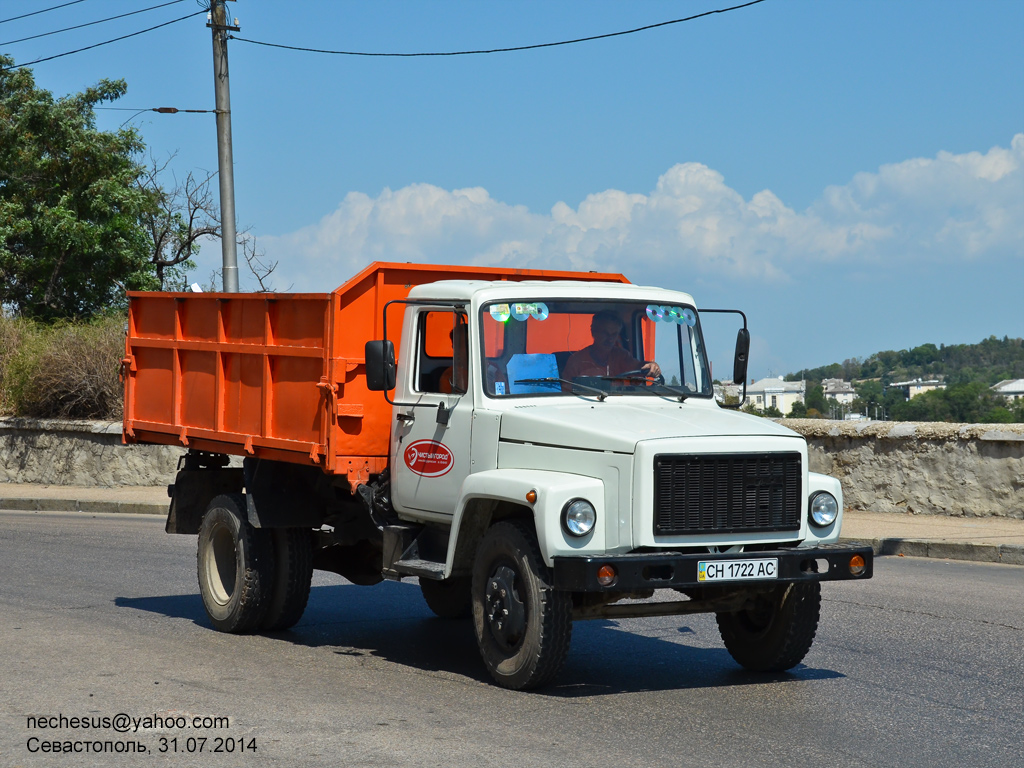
427,569
413,550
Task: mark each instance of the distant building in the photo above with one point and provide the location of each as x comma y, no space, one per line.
916,387
776,393
727,390
1011,389
838,390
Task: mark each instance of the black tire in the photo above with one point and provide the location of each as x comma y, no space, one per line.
235,563
523,626
293,572
778,632
449,599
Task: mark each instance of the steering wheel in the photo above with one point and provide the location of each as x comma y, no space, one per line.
639,374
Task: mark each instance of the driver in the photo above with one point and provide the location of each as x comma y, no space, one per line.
606,356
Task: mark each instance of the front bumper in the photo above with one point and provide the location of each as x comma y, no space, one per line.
658,570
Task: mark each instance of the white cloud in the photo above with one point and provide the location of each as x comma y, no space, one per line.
949,209
420,223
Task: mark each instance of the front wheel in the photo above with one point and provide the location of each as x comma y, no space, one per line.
777,631
236,564
523,626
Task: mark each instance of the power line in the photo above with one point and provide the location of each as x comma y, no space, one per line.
501,50
91,23
106,42
165,110
36,13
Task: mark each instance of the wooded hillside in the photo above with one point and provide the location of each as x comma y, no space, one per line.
968,371
987,362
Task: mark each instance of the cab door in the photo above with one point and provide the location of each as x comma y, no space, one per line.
430,448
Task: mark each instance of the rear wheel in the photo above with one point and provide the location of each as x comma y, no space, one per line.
293,572
235,563
523,626
448,599
777,632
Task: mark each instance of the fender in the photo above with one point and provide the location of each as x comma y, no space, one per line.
553,489
818,536
192,492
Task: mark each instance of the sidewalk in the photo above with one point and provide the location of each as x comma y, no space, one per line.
135,500
982,539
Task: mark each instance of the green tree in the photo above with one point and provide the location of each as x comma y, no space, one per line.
71,239
869,393
964,403
815,398
1017,410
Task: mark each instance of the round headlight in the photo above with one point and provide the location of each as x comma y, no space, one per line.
578,517
824,509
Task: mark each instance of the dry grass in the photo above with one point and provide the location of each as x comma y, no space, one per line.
65,371
12,333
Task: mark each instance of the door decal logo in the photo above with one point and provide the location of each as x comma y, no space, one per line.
429,458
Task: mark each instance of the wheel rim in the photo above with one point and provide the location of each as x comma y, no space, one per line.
504,610
221,565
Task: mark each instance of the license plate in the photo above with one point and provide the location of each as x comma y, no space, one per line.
737,570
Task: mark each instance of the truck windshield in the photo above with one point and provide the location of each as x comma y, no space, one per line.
591,348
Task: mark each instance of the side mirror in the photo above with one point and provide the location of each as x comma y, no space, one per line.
739,363
380,366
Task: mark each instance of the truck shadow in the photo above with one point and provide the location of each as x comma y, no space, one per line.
391,622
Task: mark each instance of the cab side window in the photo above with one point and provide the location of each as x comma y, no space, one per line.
442,352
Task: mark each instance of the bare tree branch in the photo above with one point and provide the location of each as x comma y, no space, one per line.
258,263
178,217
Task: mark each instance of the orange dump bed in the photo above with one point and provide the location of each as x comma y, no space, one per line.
279,376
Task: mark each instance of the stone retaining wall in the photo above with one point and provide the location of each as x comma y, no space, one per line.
974,470
90,453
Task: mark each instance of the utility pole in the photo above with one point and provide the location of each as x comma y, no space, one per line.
225,164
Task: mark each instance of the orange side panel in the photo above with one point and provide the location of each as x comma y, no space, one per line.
198,389
243,384
243,322
199,320
154,378
297,412
154,318
293,324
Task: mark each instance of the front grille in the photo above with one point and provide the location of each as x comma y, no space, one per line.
726,493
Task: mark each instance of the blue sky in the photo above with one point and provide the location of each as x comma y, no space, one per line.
850,174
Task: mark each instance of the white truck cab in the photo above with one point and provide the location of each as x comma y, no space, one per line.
557,451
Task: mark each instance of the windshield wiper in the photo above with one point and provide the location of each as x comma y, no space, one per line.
601,394
682,394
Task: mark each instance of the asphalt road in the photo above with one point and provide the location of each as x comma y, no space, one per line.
100,615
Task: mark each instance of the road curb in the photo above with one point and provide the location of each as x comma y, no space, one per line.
1008,554
76,505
